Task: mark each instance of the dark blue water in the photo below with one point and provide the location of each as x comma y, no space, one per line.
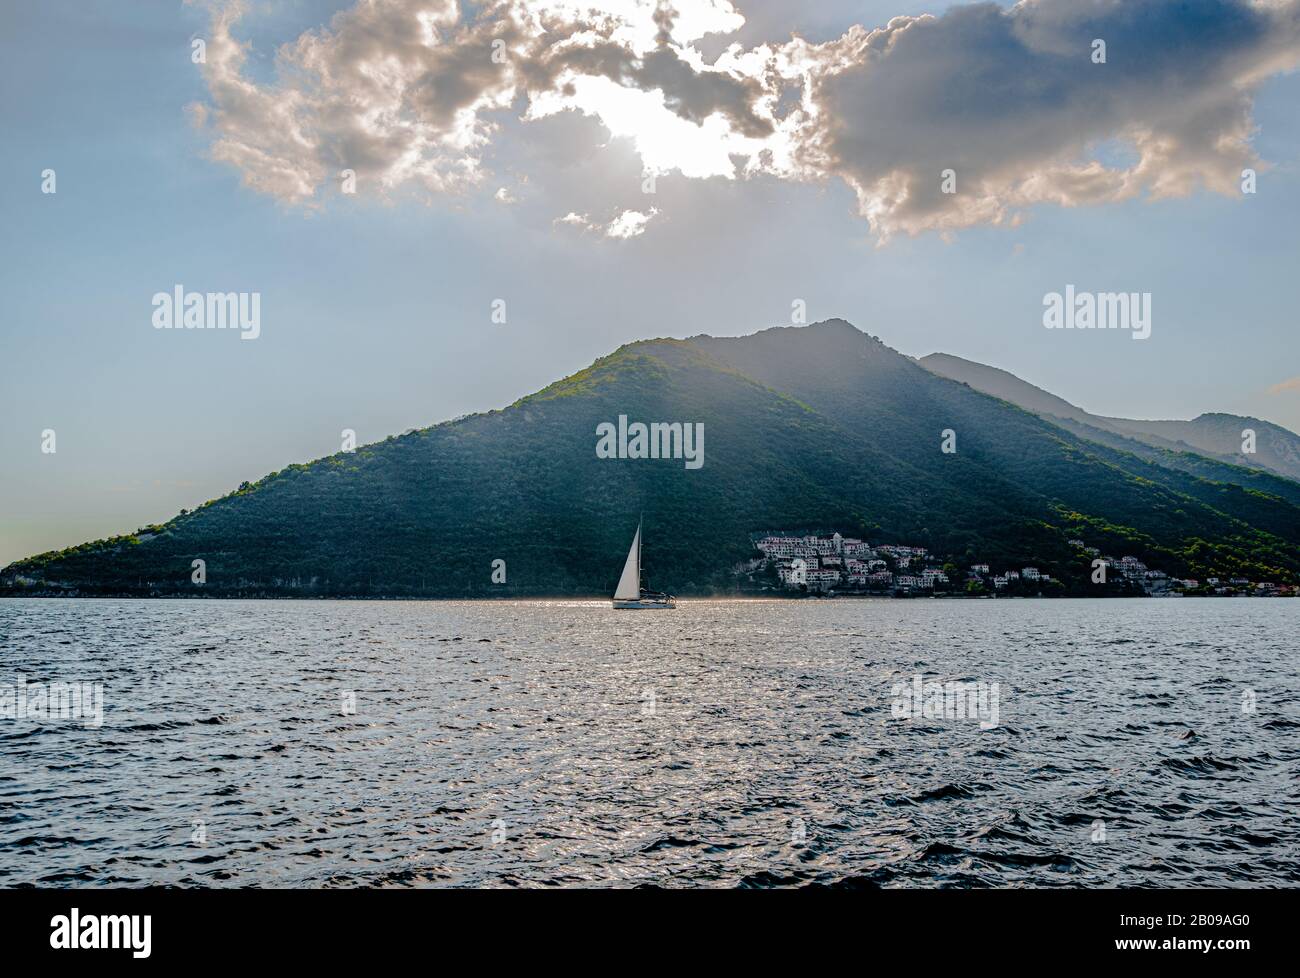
1138,743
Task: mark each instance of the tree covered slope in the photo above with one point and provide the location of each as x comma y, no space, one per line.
821,427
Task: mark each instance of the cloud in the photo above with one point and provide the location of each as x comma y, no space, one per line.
576,219
1291,384
628,224
415,92
1012,102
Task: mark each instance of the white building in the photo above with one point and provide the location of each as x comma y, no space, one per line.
792,576
1131,567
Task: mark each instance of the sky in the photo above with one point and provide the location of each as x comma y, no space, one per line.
794,152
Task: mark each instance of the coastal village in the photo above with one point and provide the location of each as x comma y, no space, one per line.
845,565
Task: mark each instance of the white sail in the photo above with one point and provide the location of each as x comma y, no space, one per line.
629,585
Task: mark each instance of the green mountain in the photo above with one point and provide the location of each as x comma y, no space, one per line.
813,428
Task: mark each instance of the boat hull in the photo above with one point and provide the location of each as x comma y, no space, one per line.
643,605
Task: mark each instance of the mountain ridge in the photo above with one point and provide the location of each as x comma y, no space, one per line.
815,426
1215,434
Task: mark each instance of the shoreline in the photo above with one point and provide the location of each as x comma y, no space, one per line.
517,599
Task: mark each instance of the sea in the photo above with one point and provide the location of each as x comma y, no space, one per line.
1053,743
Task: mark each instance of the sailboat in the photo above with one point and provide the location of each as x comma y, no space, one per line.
629,593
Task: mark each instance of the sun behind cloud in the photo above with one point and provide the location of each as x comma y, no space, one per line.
937,123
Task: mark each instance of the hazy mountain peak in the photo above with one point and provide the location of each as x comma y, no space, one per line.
1214,434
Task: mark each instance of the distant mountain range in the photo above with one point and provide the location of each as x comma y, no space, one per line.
812,428
1217,436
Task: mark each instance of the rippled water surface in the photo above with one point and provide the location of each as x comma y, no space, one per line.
722,744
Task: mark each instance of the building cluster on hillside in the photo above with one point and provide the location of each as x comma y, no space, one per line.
845,563
1159,584
825,563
